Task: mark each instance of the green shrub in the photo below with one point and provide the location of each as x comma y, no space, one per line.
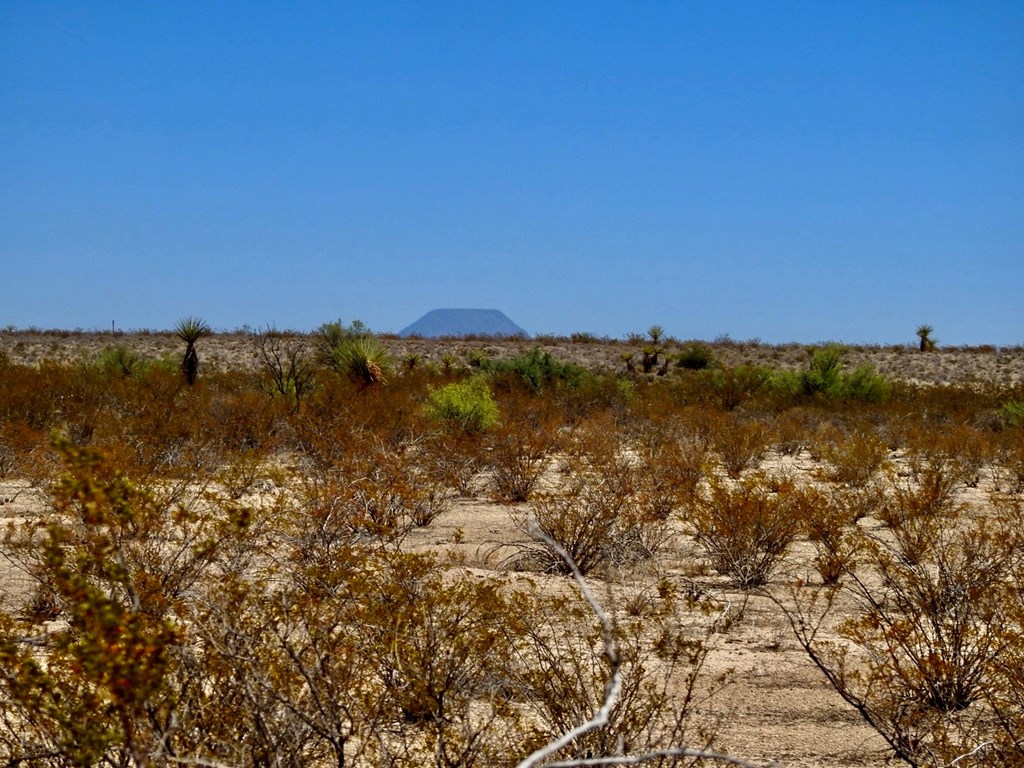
734,386
538,371
466,406
120,360
824,378
1012,413
864,385
696,357
823,374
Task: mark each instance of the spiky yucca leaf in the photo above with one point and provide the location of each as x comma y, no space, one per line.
190,329
363,359
924,333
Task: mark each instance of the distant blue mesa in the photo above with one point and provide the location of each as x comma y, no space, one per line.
463,322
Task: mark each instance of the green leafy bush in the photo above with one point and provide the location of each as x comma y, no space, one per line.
731,387
864,385
1012,413
824,378
696,357
537,371
120,360
466,406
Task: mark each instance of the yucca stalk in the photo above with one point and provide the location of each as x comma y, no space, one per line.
190,330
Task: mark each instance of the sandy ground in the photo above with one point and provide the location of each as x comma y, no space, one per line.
777,705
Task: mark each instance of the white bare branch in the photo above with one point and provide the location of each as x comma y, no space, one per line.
699,754
611,696
966,755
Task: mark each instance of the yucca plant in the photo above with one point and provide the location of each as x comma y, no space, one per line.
330,336
190,330
924,333
363,359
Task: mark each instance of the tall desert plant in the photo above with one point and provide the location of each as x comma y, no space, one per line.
287,370
924,334
190,330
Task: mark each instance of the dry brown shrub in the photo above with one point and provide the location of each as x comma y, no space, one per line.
745,528
245,419
455,460
521,447
794,429
660,655
923,658
598,520
19,443
829,517
854,459
1011,460
964,450
366,498
741,442
671,460
595,441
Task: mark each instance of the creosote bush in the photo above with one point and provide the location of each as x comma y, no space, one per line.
535,370
520,449
695,357
923,657
1012,413
825,379
602,518
745,528
854,459
464,406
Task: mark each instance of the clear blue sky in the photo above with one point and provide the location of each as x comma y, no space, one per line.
792,171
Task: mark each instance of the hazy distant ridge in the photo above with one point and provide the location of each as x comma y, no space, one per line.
463,322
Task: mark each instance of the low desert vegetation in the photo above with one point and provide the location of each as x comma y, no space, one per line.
227,566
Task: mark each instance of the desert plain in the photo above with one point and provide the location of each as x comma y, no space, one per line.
775,707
